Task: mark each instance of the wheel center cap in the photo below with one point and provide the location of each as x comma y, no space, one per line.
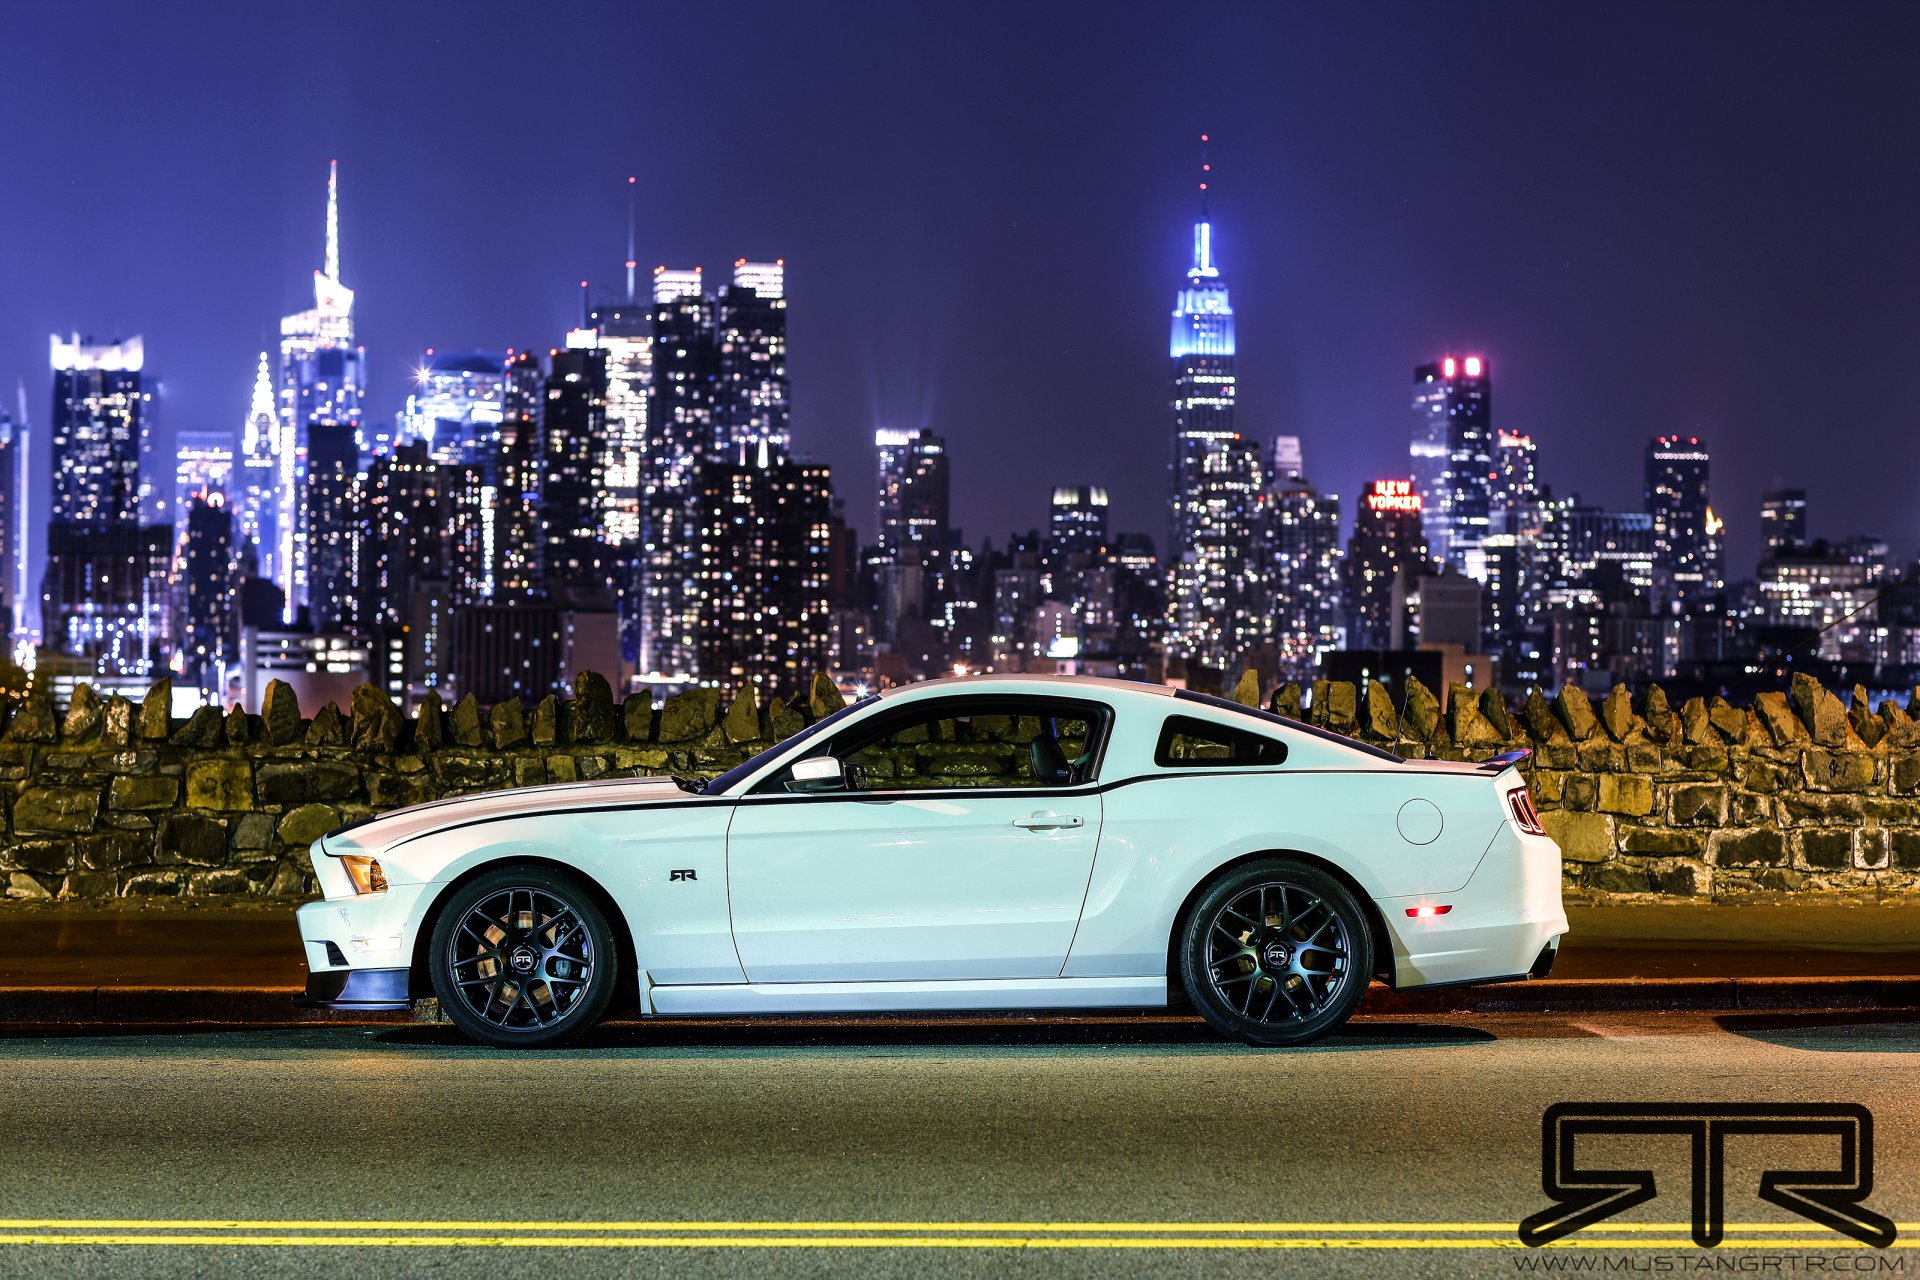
1276,955
523,959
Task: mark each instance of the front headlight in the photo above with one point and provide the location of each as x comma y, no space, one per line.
365,873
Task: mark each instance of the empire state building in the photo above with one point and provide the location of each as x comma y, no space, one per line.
1215,473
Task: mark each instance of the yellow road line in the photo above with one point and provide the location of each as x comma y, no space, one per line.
892,1242
925,1227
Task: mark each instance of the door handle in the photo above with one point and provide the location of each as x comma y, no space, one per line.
1046,820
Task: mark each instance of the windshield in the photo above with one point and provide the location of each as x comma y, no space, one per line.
746,768
1242,708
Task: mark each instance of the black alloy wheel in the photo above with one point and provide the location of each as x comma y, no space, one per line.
1276,953
522,959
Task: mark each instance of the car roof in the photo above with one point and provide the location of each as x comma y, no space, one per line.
1065,685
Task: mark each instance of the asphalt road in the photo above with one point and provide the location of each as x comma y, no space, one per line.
1129,1140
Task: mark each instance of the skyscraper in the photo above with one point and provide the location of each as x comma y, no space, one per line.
210,625
915,502
753,354
333,532
760,582
255,502
1215,472
203,464
455,406
105,595
1077,521
514,543
97,405
1387,550
1302,575
12,453
323,379
683,428
573,425
1686,534
1451,458
1783,520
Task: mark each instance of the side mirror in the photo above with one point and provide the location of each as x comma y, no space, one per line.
823,773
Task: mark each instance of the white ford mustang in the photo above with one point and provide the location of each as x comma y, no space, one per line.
999,842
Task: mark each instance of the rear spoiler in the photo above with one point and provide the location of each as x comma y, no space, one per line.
1502,763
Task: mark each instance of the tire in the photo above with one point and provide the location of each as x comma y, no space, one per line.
521,958
1276,953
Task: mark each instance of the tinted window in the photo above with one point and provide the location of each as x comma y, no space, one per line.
1190,743
974,742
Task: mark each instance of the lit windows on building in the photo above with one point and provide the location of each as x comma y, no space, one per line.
1451,456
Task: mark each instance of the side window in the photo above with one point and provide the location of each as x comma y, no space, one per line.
1186,742
968,743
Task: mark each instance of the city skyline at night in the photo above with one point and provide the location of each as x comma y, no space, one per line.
1618,299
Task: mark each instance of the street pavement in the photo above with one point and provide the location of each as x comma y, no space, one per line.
967,1147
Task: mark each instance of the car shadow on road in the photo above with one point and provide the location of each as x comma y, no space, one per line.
781,1035
1838,1031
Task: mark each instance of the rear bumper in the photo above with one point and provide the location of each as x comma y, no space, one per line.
1503,925
357,989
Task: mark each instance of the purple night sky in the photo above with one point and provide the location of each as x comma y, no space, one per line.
1694,219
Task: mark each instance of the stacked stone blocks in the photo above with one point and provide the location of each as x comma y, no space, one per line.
107,799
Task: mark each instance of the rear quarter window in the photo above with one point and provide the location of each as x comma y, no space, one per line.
1187,742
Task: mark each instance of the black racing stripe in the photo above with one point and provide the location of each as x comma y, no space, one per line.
890,797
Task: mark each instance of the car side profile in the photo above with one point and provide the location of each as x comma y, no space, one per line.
985,843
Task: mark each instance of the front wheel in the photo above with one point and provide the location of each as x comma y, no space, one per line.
521,958
1276,953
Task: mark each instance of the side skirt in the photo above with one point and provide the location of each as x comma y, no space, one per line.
908,997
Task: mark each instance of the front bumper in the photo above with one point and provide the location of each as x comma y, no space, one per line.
358,989
359,950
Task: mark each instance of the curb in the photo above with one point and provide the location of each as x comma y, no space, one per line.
239,1006
1654,995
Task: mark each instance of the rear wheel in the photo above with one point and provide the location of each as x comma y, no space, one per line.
521,958
1276,952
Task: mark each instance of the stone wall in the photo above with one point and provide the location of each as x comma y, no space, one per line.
109,799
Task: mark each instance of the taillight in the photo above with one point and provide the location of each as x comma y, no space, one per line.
1525,816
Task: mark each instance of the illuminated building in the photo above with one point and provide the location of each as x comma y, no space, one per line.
1686,534
915,523
1211,557
683,429
322,382
333,528
1820,598
408,520
106,593
573,423
1515,487
1387,551
456,405
515,549
1302,577
203,464
254,500
1783,520
20,513
1451,457
98,403
763,524
754,394
1077,521
13,439
1222,568
209,595
624,334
